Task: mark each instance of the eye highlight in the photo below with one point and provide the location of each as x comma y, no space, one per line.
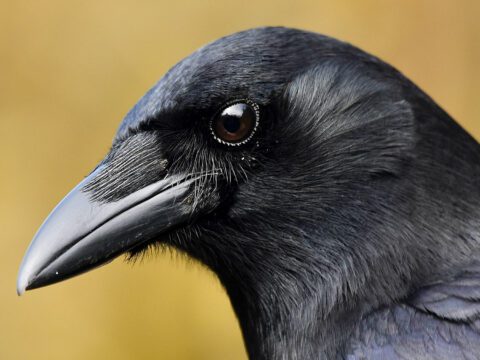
236,123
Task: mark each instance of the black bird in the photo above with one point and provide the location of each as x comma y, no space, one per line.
337,203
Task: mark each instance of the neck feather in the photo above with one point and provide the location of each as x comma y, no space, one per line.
292,323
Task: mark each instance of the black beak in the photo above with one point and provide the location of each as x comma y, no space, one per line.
82,233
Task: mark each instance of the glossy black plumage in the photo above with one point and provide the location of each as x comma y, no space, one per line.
347,228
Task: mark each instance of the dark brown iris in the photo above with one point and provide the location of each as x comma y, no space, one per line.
235,123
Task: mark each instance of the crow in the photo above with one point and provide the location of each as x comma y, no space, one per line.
337,203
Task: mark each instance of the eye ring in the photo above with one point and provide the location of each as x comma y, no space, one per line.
252,124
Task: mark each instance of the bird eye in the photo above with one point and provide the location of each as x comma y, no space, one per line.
236,123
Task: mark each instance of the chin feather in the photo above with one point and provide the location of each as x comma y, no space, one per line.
146,251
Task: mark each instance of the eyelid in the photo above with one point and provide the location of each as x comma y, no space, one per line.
256,110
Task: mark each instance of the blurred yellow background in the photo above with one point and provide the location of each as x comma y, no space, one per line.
70,70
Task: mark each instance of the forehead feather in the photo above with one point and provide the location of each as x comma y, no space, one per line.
255,63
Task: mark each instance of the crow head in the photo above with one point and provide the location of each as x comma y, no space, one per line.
300,169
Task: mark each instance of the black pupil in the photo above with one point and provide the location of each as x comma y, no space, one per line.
231,123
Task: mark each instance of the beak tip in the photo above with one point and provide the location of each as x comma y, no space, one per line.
21,286
24,280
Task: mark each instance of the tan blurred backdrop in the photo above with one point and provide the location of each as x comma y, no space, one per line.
70,70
